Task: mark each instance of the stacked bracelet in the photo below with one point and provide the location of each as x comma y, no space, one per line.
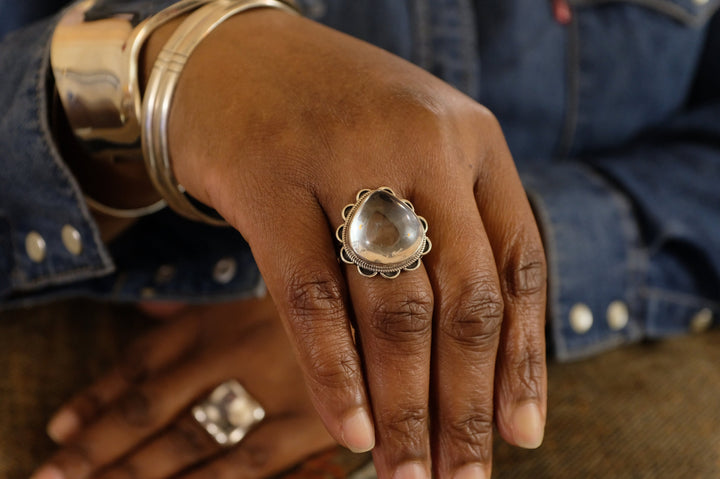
94,57
161,88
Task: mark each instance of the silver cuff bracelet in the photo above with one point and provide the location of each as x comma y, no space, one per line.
95,63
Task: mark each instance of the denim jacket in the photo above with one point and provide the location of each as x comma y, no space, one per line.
613,118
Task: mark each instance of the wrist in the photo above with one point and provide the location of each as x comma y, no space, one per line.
160,137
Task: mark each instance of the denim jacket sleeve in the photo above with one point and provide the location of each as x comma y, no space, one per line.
38,194
632,231
50,246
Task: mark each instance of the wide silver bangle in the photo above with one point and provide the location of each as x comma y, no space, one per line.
161,88
94,57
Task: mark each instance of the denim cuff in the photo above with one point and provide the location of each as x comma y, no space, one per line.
50,246
49,235
164,257
595,259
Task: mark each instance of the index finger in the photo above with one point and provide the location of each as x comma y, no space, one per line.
296,256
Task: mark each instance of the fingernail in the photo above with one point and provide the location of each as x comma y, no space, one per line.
471,471
63,425
411,470
357,431
528,426
48,472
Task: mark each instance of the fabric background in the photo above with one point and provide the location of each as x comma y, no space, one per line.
645,411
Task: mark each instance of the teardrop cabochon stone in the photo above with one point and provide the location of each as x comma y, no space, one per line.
384,231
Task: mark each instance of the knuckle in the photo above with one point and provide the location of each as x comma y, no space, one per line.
475,318
255,457
135,409
334,369
87,404
415,104
525,272
403,316
486,118
473,430
314,295
490,120
133,368
418,115
246,461
493,143
318,323
186,439
528,371
408,427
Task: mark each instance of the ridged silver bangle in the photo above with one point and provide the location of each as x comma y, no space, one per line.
160,91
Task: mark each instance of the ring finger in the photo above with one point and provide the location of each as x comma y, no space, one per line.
277,444
183,444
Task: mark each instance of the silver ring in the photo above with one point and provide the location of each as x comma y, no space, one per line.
382,234
228,413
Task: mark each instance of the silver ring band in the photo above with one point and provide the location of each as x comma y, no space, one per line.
228,413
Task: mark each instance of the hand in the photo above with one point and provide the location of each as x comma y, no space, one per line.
277,123
135,422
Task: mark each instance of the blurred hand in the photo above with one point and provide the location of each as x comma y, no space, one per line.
277,123
135,422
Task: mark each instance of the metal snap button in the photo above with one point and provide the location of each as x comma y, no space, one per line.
617,315
581,318
702,321
225,270
72,240
35,246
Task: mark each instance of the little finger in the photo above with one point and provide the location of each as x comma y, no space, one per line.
521,376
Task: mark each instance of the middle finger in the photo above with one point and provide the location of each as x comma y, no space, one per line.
394,321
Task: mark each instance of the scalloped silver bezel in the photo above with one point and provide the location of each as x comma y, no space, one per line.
369,269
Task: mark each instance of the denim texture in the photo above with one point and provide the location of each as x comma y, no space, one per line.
613,120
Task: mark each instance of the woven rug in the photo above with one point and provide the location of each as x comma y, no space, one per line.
645,411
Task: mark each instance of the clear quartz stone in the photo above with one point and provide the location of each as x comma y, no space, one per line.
384,230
